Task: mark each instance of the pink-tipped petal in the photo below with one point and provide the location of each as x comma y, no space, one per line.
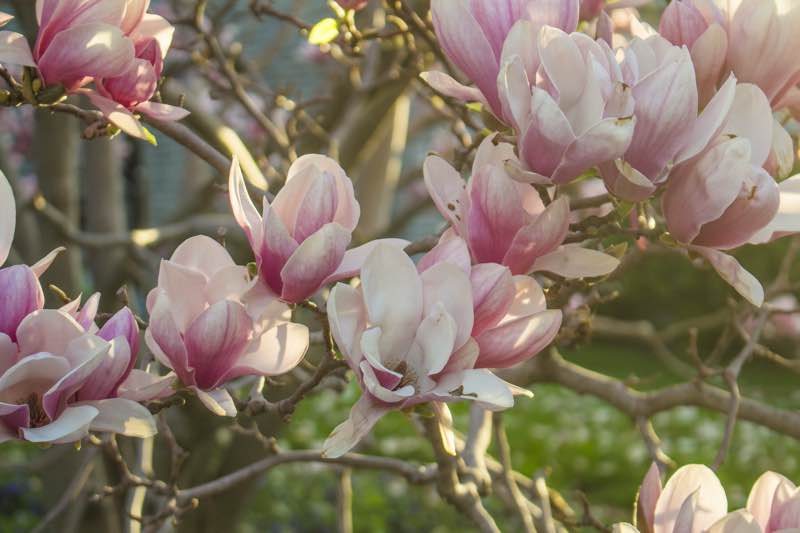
518,340
492,295
539,238
215,340
275,352
450,249
447,285
734,274
314,260
159,111
649,492
363,416
21,295
244,211
759,502
142,386
47,331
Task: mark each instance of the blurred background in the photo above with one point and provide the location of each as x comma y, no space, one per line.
367,108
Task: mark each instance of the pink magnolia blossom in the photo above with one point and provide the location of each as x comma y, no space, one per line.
568,103
120,376
60,382
473,34
79,40
700,26
503,221
20,290
300,242
211,323
692,501
754,39
407,337
511,321
774,502
130,91
669,127
723,198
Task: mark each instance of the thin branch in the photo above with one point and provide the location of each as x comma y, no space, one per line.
504,454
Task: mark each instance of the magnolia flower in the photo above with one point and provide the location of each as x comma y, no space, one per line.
131,90
700,26
723,198
692,501
300,242
210,323
511,320
79,40
774,503
754,39
62,382
473,35
20,290
669,129
121,378
407,337
567,101
503,221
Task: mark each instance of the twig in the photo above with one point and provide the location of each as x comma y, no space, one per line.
504,454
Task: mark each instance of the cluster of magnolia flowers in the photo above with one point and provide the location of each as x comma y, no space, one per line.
685,114
693,500
112,52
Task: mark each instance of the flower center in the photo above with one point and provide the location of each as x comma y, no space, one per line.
409,376
38,417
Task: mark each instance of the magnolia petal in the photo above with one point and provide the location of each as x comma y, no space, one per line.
708,56
539,238
572,262
14,50
313,261
47,331
466,45
447,285
159,111
202,254
446,85
734,274
275,352
41,266
363,416
72,425
118,115
481,386
218,401
215,340
649,492
492,295
739,521
518,340
244,211
759,502
605,141
347,319
8,217
710,121
393,297
125,417
448,192
353,259
436,338
8,353
142,386
688,480
450,249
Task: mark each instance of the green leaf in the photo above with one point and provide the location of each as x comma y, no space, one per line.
324,31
